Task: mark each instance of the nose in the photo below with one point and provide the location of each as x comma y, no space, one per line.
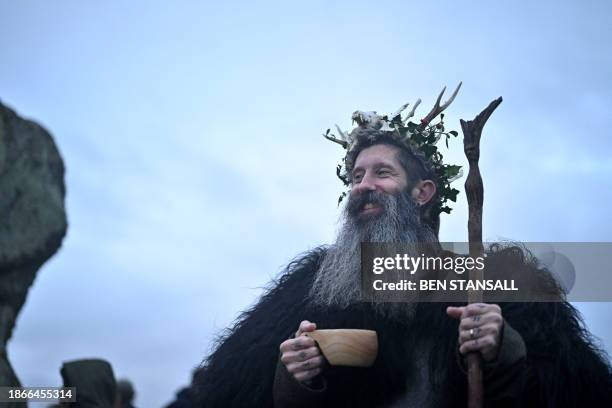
366,184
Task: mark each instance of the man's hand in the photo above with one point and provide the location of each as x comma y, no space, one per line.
480,328
301,355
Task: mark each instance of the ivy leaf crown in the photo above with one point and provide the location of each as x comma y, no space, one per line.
419,138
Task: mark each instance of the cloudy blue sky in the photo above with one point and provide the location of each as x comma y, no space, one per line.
196,169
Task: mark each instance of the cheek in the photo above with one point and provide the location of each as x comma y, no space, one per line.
392,186
403,183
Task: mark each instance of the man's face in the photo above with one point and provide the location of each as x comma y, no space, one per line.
379,209
377,168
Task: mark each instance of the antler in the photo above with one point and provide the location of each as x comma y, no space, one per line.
398,112
343,136
437,109
411,113
342,141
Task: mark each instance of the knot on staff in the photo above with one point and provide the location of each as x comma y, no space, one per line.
474,190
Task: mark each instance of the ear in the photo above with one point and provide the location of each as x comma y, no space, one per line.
423,191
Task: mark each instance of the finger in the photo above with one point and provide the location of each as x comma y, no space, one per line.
298,356
303,342
454,312
477,332
297,344
471,334
492,329
307,375
474,309
315,362
286,346
305,326
481,320
481,344
471,322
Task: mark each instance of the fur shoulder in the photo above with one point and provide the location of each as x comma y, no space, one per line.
566,366
240,371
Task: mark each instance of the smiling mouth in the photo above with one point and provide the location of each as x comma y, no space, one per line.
370,208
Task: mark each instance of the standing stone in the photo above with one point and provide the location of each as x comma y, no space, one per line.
32,217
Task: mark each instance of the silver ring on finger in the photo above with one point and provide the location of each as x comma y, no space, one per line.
472,334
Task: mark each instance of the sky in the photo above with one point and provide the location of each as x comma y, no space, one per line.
191,133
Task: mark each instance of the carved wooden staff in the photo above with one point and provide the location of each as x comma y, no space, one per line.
472,131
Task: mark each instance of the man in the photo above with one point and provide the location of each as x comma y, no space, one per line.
534,354
94,382
379,178
125,394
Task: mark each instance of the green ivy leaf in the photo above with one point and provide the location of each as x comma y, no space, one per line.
451,170
429,150
418,138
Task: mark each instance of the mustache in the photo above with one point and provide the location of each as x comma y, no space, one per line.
356,202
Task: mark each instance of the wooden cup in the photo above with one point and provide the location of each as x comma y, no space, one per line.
347,347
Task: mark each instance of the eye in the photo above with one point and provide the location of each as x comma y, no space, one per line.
357,177
384,172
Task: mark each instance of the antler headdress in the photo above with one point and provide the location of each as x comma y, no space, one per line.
419,138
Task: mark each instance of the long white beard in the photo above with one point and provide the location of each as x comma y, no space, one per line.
338,280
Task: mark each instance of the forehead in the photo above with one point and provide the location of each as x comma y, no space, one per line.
376,155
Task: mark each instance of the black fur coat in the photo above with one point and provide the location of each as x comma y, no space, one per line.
563,367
